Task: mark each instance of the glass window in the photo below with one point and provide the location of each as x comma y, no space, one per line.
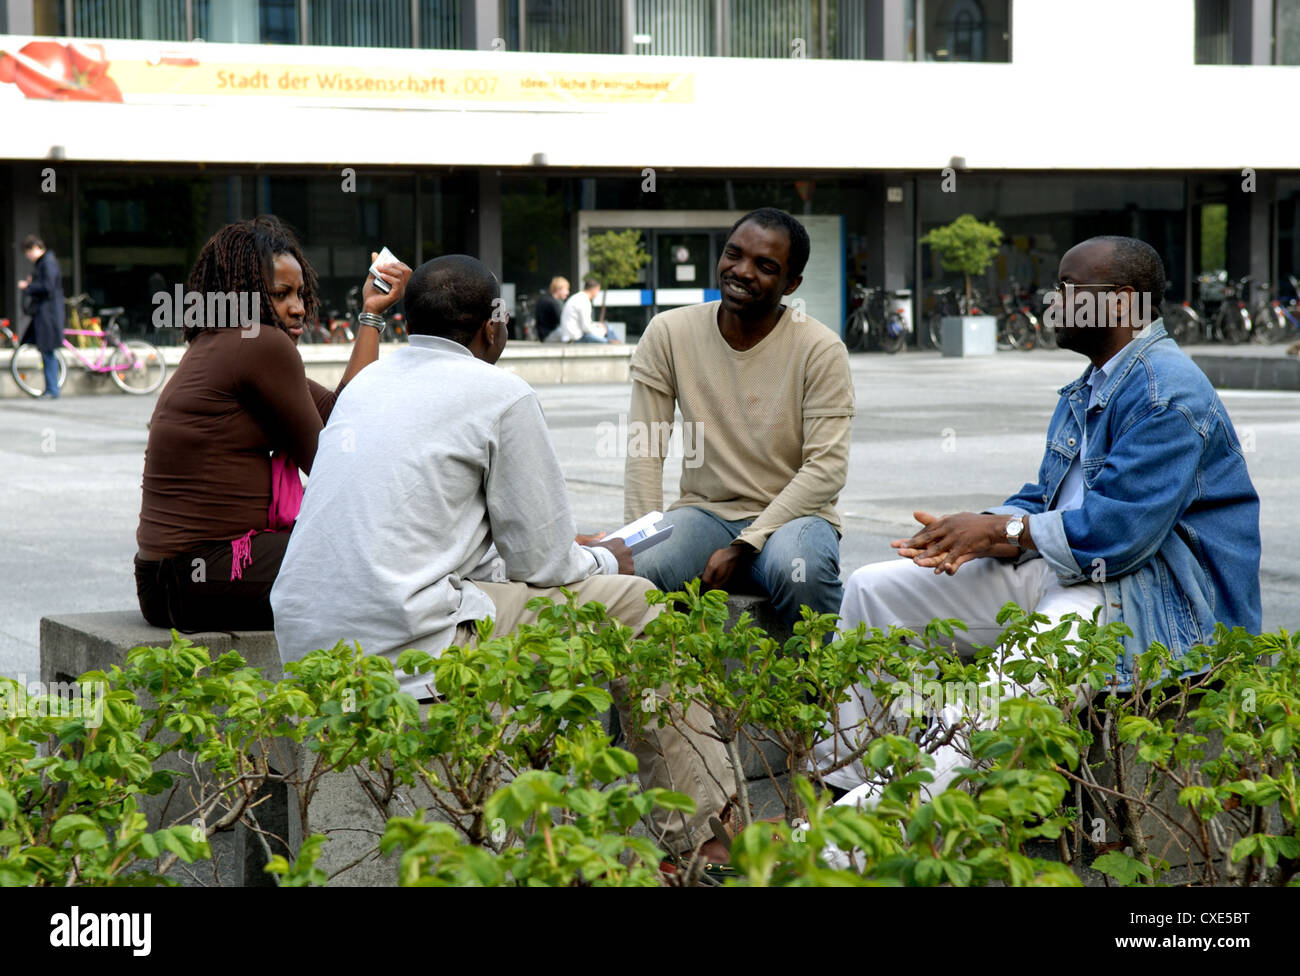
680,27
442,215
148,20
48,18
565,26
278,21
846,29
1213,32
247,21
966,30
440,24
338,229
537,231
1286,32
1041,217
350,23
140,228
1288,237
771,28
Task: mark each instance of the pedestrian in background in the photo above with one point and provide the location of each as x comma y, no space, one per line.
551,307
576,323
43,301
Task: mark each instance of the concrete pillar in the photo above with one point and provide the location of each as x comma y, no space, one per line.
1251,25
1250,233
629,26
887,233
485,221
886,30
17,17
480,24
234,22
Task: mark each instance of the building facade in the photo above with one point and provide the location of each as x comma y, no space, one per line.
514,129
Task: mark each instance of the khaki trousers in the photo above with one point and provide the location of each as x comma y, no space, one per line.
673,757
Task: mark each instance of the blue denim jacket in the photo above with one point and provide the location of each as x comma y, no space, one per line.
1170,521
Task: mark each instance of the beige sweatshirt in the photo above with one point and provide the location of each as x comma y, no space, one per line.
767,433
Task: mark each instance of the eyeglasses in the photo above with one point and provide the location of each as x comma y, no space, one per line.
1072,285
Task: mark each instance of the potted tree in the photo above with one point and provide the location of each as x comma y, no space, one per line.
967,245
614,258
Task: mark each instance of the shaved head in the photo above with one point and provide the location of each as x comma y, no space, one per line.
451,296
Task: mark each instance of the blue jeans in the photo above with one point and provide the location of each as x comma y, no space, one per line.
51,373
799,566
588,337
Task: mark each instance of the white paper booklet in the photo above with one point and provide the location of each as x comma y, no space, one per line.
643,533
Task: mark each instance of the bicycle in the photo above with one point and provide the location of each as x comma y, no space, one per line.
10,336
947,304
1018,327
80,318
876,318
1275,321
1181,320
135,365
1233,322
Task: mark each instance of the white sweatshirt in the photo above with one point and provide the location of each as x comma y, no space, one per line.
435,469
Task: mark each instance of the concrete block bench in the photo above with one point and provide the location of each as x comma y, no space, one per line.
72,644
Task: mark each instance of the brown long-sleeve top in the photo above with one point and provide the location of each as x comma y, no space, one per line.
233,400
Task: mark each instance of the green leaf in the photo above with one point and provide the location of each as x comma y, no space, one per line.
1121,867
65,825
8,805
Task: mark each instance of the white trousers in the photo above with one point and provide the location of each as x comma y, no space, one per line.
903,594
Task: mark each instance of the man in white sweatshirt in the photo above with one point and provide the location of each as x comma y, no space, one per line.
437,494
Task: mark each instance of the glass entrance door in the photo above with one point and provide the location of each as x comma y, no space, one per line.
684,260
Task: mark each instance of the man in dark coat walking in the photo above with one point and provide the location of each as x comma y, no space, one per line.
43,301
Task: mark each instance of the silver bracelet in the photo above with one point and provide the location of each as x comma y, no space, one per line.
373,320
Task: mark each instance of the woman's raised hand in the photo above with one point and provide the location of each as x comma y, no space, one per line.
396,274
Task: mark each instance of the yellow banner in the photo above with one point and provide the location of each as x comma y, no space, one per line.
413,87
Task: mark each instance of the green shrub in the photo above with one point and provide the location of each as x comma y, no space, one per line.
528,788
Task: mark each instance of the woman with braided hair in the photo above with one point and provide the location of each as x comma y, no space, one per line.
232,428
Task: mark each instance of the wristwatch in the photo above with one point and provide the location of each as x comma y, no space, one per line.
1013,530
372,320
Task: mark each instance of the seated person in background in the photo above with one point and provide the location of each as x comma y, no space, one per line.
1143,506
576,323
437,494
767,404
230,431
551,307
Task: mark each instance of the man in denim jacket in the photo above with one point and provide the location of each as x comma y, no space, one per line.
1142,504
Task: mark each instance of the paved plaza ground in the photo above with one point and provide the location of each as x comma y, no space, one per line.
932,433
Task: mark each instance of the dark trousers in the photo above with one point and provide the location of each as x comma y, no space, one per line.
193,591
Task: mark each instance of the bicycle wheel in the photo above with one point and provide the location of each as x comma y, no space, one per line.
1177,323
934,329
1047,332
1233,323
139,368
1020,331
1267,323
27,367
855,331
893,334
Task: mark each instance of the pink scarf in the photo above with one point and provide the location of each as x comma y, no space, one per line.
286,500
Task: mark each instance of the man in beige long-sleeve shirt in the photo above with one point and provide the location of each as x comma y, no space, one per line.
767,401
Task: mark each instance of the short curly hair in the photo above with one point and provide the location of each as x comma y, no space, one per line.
241,257
796,234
